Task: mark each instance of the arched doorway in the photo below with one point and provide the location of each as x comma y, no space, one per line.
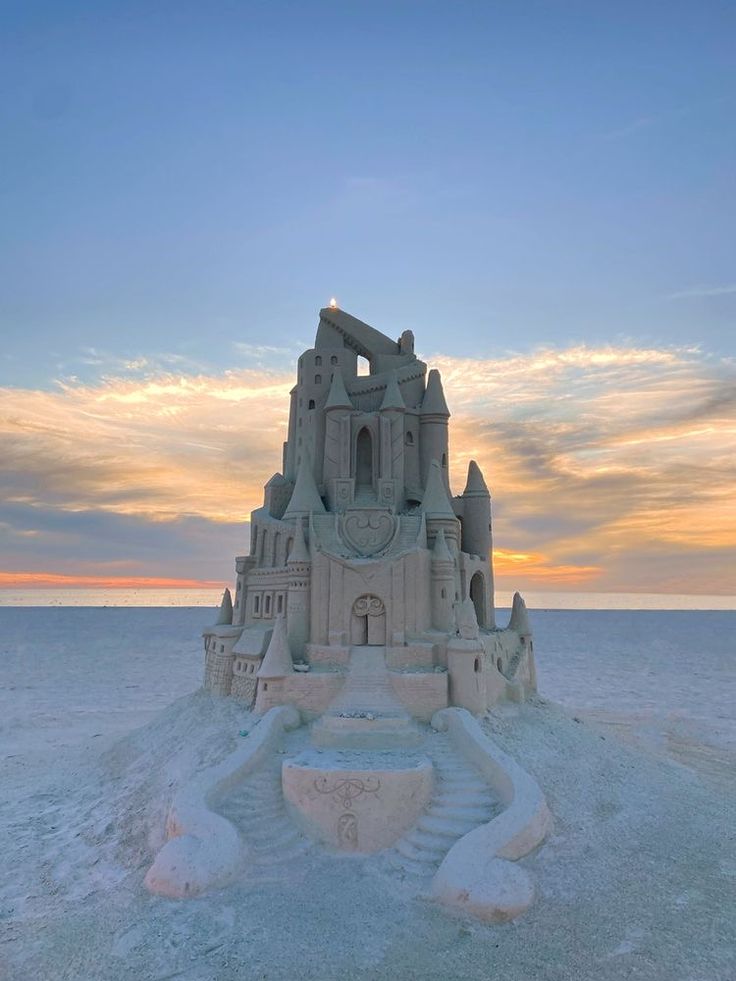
478,596
364,458
368,622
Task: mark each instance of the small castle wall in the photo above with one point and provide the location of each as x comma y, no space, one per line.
422,692
402,586
312,692
218,672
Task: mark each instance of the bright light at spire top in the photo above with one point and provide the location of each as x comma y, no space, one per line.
333,303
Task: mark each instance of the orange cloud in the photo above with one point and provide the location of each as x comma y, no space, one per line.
28,580
523,568
611,466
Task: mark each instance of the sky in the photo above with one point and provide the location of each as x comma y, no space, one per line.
543,192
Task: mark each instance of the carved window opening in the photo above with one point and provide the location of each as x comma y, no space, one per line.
333,359
444,461
311,404
364,458
410,438
476,666
444,594
318,360
268,604
499,664
363,366
478,596
280,603
257,604
222,648
318,379
254,540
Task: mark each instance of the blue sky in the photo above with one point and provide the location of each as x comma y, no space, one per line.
543,192
181,176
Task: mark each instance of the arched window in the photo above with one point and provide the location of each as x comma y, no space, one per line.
410,438
318,361
444,461
478,596
333,359
311,404
318,379
364,458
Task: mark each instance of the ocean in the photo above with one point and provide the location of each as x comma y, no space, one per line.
211,597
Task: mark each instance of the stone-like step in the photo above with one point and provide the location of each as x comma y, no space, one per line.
461,801
446,827
477,813
431,842
420,853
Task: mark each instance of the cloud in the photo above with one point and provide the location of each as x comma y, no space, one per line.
697,291
611,467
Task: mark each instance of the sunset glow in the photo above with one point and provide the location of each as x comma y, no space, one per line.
610,469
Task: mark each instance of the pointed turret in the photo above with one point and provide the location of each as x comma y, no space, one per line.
338,397
434,402
475,483
299,551
436,501
392,398
225,615
440,552
277,661
305,498
519,621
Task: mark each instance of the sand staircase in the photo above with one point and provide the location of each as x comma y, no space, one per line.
256,807
366,713
461,801
368,686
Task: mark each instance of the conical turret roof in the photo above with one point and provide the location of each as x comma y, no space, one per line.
519,621
277,660
392,398
436,501
225,616
338,397
305,496
440,552
475,483
299,551
434,402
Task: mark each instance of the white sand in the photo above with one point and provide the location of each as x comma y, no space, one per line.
638,881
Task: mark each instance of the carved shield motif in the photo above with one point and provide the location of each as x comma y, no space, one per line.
369,531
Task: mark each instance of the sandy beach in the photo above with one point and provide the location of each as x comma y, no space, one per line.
637,880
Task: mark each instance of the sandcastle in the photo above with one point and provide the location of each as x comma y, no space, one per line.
363,635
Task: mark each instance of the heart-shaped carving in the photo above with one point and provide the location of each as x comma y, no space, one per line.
369,531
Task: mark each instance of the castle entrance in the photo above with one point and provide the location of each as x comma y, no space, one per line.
368,622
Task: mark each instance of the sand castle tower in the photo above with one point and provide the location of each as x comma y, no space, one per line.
364,611
360,549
